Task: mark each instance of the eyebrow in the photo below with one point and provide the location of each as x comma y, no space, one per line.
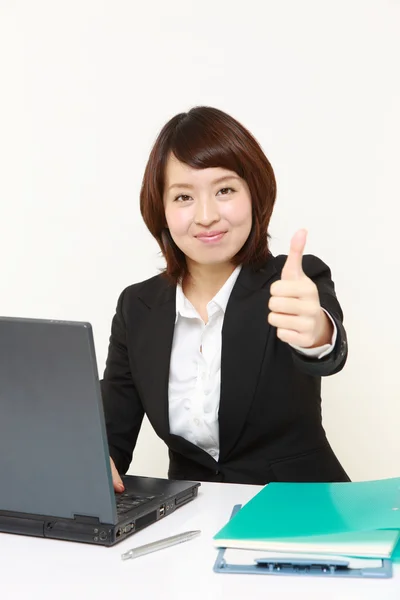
214,182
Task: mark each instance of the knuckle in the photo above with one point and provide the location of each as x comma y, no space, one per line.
272,319
309,286
274,287
272,303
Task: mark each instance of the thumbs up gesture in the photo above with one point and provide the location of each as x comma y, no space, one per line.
294,304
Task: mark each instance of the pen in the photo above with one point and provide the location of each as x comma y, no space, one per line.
160,544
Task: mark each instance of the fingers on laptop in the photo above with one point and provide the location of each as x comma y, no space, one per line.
117,481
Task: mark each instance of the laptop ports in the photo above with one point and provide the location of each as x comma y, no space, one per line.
162,510
125,529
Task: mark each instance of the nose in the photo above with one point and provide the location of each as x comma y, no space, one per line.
207,211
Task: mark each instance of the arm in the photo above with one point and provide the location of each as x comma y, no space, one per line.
122,406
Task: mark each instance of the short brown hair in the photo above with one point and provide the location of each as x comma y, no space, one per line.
202,138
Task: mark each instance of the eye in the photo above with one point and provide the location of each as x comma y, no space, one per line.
225,191
182,198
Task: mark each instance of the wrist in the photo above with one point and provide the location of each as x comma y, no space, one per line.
324,330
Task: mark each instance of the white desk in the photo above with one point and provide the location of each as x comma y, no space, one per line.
34,568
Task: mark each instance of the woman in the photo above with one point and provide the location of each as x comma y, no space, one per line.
224,351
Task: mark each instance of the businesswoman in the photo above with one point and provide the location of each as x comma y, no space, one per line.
224,352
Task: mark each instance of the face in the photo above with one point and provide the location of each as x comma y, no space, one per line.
208,212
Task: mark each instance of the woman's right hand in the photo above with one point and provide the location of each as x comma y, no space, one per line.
117,481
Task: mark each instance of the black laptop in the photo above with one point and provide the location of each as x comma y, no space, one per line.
54,462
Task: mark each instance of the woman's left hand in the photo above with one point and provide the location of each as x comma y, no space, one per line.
294,304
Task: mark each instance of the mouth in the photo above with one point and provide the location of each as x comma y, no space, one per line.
210,237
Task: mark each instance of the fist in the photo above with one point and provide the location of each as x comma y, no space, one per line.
294,303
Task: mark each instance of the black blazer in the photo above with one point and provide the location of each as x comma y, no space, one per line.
270,406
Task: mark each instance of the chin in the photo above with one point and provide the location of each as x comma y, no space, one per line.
212,260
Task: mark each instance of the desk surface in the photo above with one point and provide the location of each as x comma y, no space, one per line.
34,568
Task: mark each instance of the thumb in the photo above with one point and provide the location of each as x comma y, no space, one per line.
117,481
293,266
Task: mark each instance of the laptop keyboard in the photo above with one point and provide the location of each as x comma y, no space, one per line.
127,501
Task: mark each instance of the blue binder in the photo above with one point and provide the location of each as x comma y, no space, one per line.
299,566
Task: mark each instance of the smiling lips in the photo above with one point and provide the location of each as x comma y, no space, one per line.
209,237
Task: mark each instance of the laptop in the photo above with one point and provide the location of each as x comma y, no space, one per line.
54,460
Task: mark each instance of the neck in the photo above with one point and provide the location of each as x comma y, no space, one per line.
206,280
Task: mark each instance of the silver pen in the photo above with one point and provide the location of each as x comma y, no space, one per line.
160,544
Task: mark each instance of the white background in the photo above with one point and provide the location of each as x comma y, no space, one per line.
87,84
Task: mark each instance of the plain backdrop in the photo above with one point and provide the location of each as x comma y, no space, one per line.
86,85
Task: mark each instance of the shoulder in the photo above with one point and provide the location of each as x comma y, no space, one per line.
313,266
151,291
148,286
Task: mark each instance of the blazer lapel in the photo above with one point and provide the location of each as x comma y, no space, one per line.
244,338
154,343
154,353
